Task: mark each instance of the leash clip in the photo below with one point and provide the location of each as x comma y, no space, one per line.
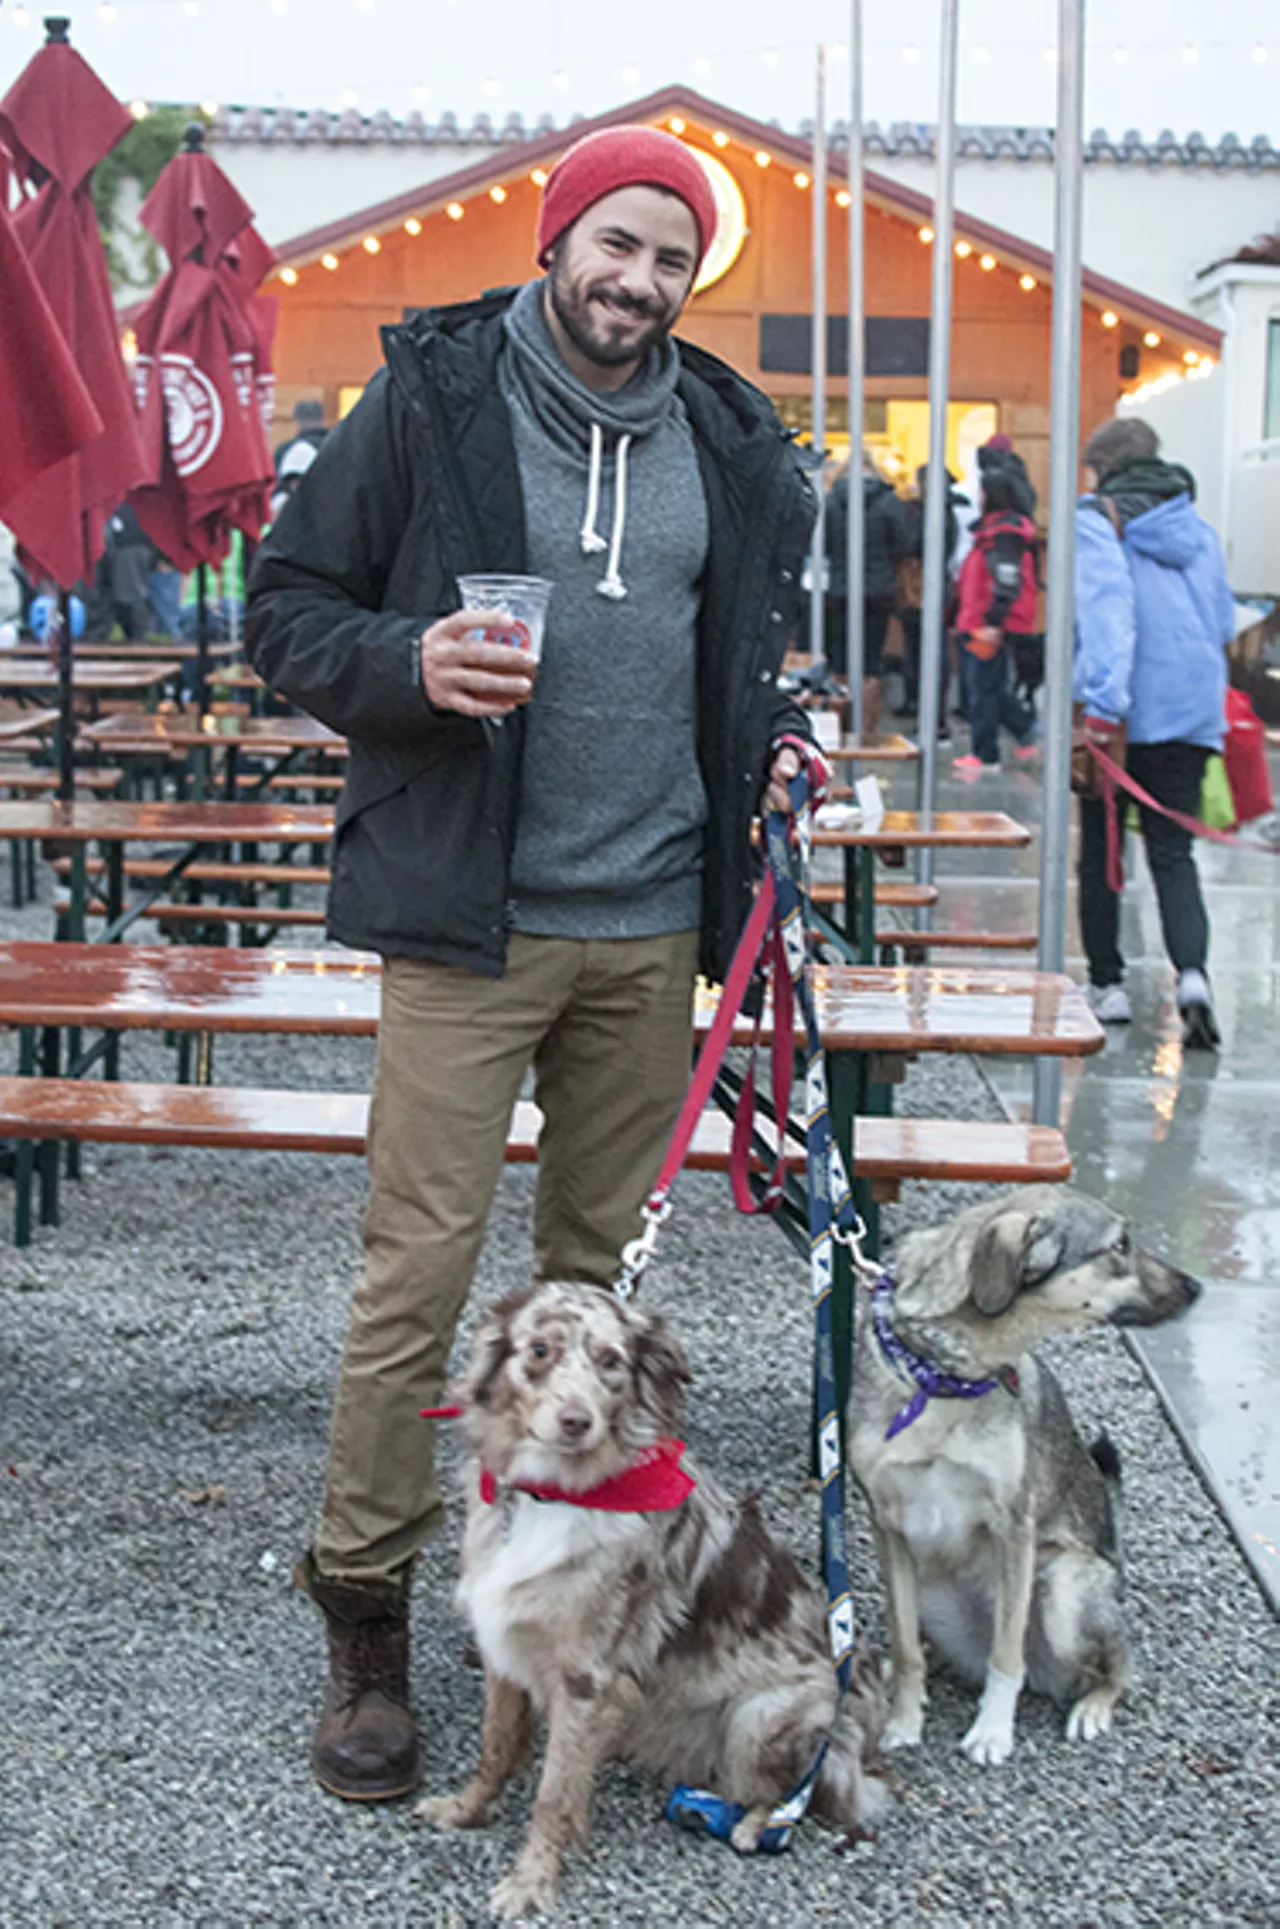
852,1236
637,1252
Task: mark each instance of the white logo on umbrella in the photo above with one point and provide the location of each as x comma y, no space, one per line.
194,410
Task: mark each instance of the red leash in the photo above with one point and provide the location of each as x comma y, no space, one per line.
1114,774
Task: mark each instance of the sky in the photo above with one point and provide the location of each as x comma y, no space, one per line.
1206,65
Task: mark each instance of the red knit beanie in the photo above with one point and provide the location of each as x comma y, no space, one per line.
622,157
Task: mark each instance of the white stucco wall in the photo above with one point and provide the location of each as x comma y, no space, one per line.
293,189
1152,228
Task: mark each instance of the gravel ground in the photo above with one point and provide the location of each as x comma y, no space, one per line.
166,1364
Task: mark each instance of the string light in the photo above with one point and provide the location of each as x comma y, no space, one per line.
964,249
289,276
1027,283
925,235
676,124
986,263
209,109
455,210
539,177
498,193
843,198
763,157
139,109
801,180
371,245
413,225
1151,339
1190,357
329,261
720,138
1110,319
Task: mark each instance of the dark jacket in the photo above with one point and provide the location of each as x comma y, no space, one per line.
885,540
419,485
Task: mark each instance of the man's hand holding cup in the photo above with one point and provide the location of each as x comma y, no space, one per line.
468,666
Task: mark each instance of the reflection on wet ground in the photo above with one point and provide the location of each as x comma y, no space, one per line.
1187,1144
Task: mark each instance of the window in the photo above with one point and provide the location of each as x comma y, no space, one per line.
1271,402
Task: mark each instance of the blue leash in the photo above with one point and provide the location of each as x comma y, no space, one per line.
832,1216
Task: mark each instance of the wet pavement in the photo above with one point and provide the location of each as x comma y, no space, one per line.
1186,1143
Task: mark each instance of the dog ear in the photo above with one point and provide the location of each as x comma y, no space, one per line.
1014,1250
662,1371
493,1348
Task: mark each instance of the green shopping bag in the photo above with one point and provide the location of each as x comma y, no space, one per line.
1216,807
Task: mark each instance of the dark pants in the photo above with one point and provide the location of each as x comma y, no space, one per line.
875,625
990,702
1172,772
910,621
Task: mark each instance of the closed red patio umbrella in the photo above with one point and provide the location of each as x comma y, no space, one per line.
203,368
57,121
48,412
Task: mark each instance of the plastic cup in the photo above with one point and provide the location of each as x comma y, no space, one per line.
523,597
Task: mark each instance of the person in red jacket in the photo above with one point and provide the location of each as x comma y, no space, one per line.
997,599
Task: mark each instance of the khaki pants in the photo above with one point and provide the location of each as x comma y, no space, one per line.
607,1027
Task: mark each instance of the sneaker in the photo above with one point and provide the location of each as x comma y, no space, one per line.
1109,1004
1025,753
1199,1028
971,766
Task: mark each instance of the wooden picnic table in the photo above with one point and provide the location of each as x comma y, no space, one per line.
285,738
26,723
160,652
335,993
46,989
93,677
118,822
873,747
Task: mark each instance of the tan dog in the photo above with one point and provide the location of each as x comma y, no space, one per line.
995,1525
679,1637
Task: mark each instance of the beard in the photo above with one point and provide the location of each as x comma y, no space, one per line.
601,322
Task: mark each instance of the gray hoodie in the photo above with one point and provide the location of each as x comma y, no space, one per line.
609,842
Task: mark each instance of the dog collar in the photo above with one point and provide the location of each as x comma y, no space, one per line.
930,1381
654,1483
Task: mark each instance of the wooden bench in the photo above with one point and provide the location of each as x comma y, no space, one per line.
209,871
273,917
36,783
887,1150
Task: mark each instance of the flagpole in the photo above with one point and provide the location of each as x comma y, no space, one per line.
855,629
935,519
66,702
817,557
1064,432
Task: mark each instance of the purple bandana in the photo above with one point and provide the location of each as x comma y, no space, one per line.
931,1382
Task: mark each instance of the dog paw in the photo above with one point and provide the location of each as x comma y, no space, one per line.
904,1729
1091,1715
522,1894
988,1743
453,1812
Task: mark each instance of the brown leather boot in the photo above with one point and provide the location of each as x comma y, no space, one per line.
365,1747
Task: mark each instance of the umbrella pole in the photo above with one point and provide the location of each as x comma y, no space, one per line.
66,701
202,637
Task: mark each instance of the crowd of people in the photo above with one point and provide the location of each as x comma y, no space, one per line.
1154,614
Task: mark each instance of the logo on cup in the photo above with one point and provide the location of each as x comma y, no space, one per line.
519,637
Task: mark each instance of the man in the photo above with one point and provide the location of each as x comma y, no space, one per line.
309,431
1154,614
543,864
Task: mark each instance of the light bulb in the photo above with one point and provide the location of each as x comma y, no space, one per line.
1027,283
964,249
986,262
1151,339
498,194
455,210
371,245
289,277
329,261
925,234
801,180
413,225
1110,319
763,157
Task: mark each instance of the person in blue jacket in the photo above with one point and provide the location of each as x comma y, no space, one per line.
1154,613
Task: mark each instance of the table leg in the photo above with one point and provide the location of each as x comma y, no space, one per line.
866,904
47,1158
25,1154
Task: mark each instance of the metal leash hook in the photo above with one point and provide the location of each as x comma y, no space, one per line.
637,1252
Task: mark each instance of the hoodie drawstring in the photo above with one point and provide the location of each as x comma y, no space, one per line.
590,540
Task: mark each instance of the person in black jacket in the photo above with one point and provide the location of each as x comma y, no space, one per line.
885,543
543,861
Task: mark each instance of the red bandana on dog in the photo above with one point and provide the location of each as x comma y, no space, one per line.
654,1483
